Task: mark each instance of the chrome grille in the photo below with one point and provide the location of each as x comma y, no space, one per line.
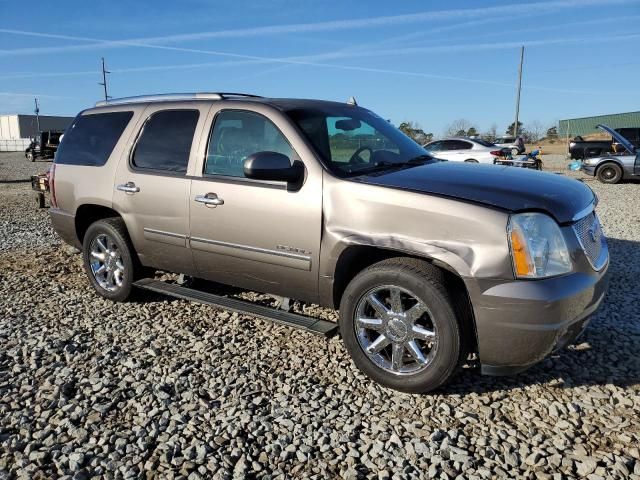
592,240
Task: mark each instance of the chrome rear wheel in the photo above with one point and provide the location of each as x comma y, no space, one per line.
106,262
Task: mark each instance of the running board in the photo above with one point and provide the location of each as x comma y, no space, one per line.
310,324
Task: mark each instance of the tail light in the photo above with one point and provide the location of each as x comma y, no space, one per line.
496,153
52,186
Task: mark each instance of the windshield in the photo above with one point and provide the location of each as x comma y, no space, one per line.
353,140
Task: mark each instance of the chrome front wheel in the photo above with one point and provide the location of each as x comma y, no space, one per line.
398,324
395,330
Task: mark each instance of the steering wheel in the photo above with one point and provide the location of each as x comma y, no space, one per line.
356,158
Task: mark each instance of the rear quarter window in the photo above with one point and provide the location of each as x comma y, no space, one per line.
91,138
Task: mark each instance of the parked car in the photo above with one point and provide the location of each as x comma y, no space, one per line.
610,168
579,148
463,149
325,202
44,145
511,144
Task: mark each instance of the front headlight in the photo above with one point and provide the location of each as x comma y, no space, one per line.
591,161
538,248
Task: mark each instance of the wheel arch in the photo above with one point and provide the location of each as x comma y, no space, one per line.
89,213
355,258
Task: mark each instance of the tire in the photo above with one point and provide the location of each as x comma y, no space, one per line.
31,157
471,160
109,237
515,151
609,173
416,280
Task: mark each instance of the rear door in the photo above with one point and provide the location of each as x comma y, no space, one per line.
456,150
262,235
152,184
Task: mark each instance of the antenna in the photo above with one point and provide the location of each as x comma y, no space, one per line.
104,81
352,101
37,112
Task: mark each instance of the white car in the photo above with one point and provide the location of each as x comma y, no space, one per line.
510,143
472,150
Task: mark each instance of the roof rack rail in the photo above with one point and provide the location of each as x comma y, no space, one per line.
168,97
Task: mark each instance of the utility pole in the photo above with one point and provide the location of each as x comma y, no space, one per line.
104,81
37,112
515,124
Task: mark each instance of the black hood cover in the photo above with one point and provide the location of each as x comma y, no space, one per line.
510,188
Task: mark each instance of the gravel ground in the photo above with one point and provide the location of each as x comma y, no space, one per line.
162,388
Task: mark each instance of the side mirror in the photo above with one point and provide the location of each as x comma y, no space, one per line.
272,166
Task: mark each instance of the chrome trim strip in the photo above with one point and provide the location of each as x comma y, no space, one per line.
584,212
167,234
248,248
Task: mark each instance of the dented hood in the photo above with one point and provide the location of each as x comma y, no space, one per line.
509,188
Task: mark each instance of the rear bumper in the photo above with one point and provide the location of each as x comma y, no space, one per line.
65,226
519,323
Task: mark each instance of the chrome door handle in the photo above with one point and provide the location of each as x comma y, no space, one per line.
209,199
128,187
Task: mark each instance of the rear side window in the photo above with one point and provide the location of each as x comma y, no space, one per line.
90,140
165,142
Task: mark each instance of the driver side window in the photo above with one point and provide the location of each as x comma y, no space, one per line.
238,134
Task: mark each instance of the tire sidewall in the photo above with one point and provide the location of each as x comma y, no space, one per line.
614,179
448,349
105,227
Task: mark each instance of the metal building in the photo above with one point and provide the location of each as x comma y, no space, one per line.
16,131
587,125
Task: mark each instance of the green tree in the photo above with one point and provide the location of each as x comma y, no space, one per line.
417,134
552,133
509,130
461,133
472,132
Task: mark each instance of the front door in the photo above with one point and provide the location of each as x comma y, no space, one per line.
152,185
636,165
253,234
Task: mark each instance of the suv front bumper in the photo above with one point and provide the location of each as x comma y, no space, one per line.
589,169
520,322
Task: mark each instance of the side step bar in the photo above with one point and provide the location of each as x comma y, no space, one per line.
310,324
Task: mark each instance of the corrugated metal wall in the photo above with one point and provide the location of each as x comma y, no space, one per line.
586,125
29,126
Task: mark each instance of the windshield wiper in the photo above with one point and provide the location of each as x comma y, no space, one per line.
419,159
381,165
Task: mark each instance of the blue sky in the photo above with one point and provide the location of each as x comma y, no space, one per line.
428,62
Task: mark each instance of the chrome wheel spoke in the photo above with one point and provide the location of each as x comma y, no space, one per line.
370,323
416,311
416,352
378,344
395,300
397,352
377,305
117,275
423,333
109,279
101,244
98,255
100,270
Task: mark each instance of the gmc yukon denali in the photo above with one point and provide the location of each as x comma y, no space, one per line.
427,261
